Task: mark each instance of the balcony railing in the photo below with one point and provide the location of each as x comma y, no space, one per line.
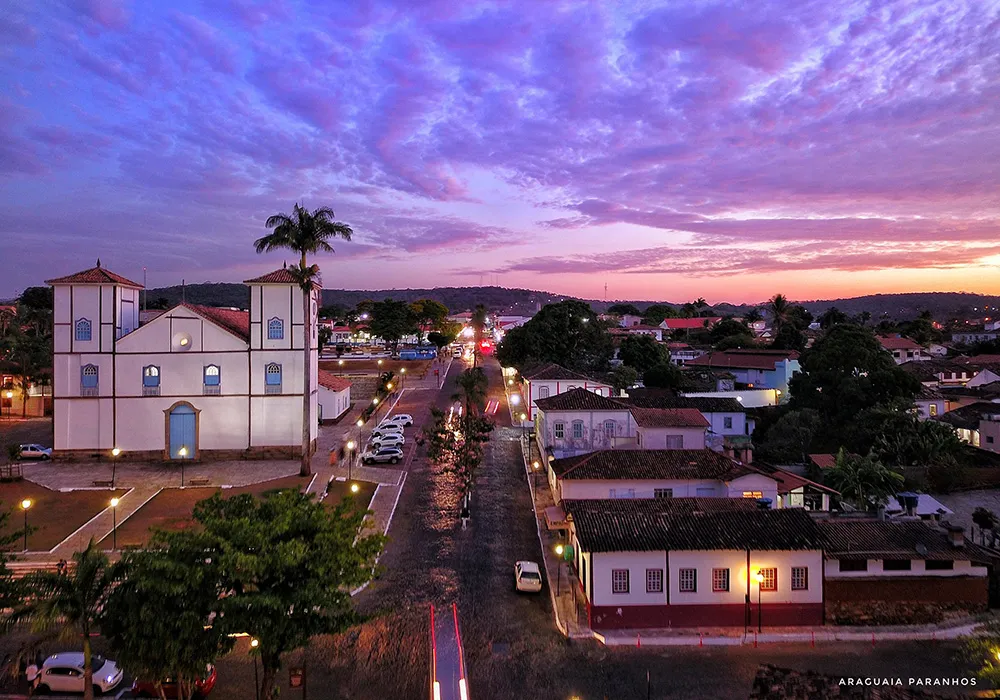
151,391
211,390
272,388
90,391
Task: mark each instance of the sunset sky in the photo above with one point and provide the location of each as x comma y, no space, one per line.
669,150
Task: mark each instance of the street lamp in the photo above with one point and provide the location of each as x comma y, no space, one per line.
402,371
559,553
360,424
254,643
182,453
114,524
355,488
350,458
10,404
114,464
25,505
535,466
759,578
524,417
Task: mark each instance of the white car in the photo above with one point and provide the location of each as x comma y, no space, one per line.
457,352
527,577
388,429
34,451
389,440
63,673
404,419
392,455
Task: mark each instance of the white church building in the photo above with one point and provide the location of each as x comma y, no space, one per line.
196,382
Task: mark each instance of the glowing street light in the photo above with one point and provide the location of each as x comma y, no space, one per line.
559,553
254,643
524,417
759,578
355,488
350,459
114,464
182,453
25,505
114,523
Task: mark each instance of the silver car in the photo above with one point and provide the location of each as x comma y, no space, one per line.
383,455
35,451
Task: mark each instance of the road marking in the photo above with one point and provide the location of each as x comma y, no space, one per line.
77,531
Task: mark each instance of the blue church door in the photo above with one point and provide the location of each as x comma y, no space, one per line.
182,432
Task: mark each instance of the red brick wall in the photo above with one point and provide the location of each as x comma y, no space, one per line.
925,589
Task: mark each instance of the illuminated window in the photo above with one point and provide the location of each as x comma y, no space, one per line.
619,580
687,580
211,380
800,578
753,494
720,580
770,582
932,409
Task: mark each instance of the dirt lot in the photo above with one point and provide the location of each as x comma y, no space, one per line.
171,509
53,515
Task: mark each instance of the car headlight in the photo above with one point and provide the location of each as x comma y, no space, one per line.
108,679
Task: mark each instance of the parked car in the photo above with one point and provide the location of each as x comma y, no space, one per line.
527,577
388,429
381,455
33,451
389,440
202,687
63,673
404,419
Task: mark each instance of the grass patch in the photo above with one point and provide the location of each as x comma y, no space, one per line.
54,515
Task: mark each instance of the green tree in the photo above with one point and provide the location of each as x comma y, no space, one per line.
899,438
642,352
325,334
831,317
286,565
664,375
478,323
306,233
986,519
791,437
430,312
158,618
982,651
440,339
655,313
391,320
728,327
789,338
333,311
9,538
864,481
30,354
735,341
567,333
753,315
621,309
623,378
847,371
777,309
67,606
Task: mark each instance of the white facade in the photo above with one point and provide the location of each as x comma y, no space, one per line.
674,438
748,486
750,398
918,567
231,379
544,388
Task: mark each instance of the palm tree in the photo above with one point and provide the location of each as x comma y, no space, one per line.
478,323
753,315
66,606
473,385
864,480
778,307
305,233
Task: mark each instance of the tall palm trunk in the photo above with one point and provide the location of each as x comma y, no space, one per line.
88,671
305,468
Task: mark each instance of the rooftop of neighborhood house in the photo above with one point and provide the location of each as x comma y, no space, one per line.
648,465
580,399
788,481
893,539
669,418
898,342
744,359
645,416
928,394
979,360
968,417
233,320
676,324
282,276
329,380
95,275
663,398
635,525
554,372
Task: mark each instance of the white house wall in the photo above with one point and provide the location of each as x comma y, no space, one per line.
656,438
917,568
749,398
736,562
767,486
636,563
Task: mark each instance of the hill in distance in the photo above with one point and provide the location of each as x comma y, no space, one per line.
942,305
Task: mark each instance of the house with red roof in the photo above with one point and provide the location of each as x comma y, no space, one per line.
194,382
903,349
334,396
753,368
689,324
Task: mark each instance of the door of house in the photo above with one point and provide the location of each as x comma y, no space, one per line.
183,435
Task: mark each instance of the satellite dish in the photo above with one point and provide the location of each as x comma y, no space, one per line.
921,549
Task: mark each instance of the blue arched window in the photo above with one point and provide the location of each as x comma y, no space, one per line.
272,378
88,381
83,330
275,329
212,379
150,380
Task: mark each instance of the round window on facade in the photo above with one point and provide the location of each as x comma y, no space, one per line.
182,342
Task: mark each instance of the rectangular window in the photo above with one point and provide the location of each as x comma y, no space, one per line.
932,409
609,429
663,493
654,580
753,494
720,580
896,565
211,381
854,565
560,430
687,580
770,582
989,439
272,379
674,442
577,429
621,493
89,381
619,580
936,565
800,578
727,422
543,392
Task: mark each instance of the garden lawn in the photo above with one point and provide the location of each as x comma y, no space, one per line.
54,515
171,509
337,490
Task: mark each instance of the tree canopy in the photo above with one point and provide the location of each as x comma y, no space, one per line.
391,320
567,333
642,352
664,375
864,481
621,309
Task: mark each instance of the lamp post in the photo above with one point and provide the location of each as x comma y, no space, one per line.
350,459
535,466
182,453
114,524
25,505
10,404
559,553
360,424
375,412
402,371
254,643
759,578
355,488
524,417
114,464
